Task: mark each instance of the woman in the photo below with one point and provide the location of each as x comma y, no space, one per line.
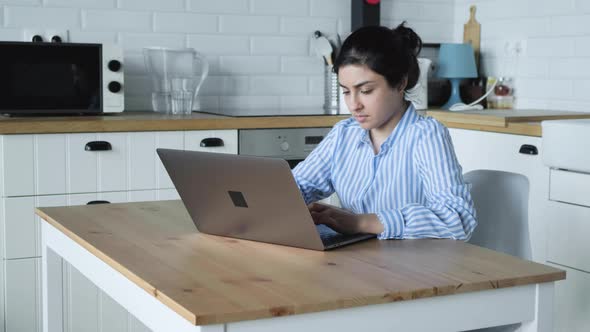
395,172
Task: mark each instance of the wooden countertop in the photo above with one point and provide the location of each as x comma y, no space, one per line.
150,121
209,279
520,122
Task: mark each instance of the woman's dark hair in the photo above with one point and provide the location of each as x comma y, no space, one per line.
391,53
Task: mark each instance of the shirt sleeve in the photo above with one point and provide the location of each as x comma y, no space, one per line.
449,211
313,175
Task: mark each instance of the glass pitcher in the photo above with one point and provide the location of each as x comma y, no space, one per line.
177,76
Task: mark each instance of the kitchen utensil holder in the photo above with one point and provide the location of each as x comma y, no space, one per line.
331,98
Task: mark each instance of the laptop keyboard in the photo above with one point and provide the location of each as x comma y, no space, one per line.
330,237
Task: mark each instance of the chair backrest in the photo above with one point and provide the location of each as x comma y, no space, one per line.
501,201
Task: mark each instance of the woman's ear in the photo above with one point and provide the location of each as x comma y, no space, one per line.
403,84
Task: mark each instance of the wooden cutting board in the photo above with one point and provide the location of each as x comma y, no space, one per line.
472,33
501,118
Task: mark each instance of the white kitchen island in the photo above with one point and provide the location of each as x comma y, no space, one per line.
150,259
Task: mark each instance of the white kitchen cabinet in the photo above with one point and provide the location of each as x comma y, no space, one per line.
2,287
54,164
20,225
193,140
136,326
568,244
485,150
81,303
50,164
571,305
57,170
23,295
17,165
113,317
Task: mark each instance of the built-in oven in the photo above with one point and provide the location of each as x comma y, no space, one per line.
291,144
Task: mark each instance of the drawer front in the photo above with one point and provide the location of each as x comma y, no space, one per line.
571,305
570,187
61,164
21,226
17,165
194,139
23,294
567,237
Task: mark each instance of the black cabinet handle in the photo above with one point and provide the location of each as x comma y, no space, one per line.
98,146
211,142
98,202
528,149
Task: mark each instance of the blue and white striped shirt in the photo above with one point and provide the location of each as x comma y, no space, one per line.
414,184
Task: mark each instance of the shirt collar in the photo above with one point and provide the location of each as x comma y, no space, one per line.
409,118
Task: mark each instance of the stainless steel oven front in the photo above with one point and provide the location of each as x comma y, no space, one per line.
291,144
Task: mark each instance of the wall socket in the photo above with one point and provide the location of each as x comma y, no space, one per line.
515,48
46,34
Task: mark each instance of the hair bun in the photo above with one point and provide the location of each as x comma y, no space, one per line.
410,38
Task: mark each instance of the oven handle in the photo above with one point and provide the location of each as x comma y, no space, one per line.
211,142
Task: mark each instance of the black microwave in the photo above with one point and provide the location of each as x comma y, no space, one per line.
60,78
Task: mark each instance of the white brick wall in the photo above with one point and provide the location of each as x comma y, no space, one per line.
552,72
267,39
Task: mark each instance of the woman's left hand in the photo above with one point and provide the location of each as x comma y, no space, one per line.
343,221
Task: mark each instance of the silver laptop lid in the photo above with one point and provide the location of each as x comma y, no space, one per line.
244,197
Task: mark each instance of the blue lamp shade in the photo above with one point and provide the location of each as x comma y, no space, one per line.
455,62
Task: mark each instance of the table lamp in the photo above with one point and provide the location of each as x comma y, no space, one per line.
456,62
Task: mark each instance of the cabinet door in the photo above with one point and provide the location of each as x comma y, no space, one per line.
23,295
16,165
81,303
167,140
2,298
113,317
82,164
142,166
571,304
22,228
193,140
136,326
569,226
112,165
50,164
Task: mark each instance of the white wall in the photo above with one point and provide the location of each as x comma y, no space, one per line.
433,20
259,50
553,71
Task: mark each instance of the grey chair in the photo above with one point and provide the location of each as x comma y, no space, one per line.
501,202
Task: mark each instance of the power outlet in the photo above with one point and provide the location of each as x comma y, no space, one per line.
47,34
515,48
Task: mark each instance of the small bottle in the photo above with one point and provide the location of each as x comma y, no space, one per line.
503,95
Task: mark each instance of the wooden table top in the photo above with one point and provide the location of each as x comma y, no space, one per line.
210,279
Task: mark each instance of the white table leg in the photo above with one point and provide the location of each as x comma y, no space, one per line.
543,321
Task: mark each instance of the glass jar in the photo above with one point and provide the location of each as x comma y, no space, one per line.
503,95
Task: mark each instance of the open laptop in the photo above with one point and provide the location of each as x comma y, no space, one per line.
252,198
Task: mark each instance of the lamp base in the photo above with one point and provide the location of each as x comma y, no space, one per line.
455,96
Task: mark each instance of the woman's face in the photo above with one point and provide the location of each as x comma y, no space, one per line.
369,97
